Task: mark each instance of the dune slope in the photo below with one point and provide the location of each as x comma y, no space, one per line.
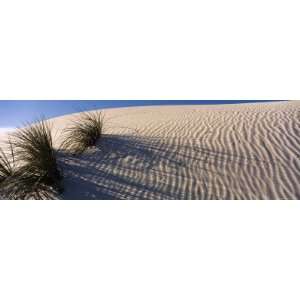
245,151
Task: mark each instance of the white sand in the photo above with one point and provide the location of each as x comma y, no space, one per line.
242,151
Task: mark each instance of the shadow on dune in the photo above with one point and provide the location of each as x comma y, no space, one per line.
128,167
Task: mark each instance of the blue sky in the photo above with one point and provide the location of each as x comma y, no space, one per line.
15,113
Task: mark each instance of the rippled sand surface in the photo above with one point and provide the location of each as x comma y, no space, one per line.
243,151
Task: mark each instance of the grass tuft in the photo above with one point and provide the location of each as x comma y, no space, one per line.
37,175
84,132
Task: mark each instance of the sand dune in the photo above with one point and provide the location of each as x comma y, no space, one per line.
243,151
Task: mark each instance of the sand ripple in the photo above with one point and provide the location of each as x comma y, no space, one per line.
248,151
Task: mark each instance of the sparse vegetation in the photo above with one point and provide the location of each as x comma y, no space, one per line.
84,132
29,169
32,171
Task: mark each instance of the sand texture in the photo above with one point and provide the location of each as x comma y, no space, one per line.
241,151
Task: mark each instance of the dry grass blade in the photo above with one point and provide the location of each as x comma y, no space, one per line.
83,132
6,167
7,162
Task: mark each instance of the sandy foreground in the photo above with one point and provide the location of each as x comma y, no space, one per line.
241,151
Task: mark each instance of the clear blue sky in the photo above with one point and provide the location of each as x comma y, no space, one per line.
15,113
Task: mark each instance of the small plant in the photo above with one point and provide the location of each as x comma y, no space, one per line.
83,132
37,174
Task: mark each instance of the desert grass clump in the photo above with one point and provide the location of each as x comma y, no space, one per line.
37,174
84,132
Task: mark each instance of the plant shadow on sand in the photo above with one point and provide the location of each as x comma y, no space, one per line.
129,167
